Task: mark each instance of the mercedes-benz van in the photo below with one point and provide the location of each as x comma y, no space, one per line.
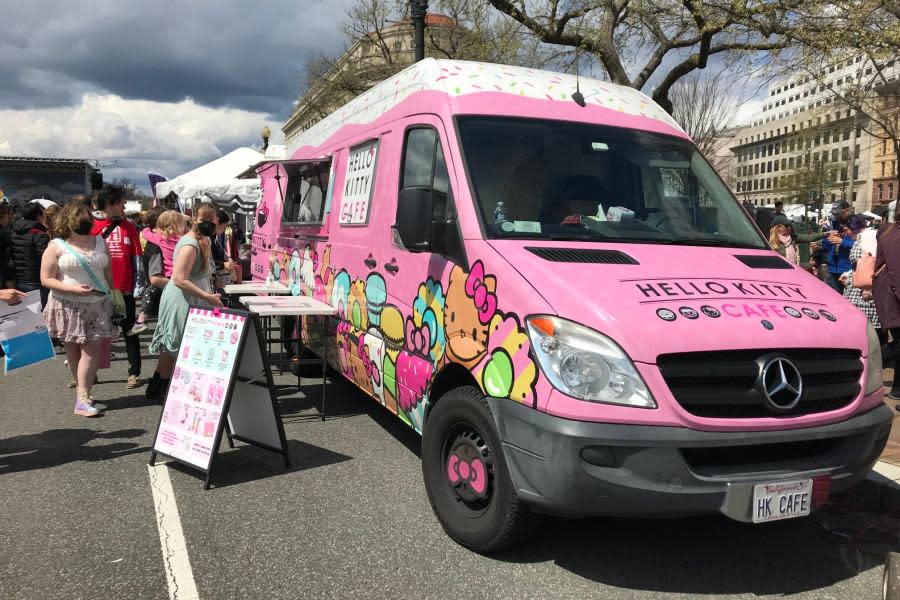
562,296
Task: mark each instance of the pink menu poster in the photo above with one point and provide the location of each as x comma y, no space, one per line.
203,372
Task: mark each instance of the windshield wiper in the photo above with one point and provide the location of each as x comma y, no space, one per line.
725,243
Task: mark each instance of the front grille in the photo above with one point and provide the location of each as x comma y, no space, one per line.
722,385
799,456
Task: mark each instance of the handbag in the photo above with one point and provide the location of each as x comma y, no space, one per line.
864,273
221,278
104,361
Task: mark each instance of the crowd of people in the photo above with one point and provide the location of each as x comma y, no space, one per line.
102,275
837,246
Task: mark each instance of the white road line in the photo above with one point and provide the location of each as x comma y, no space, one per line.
171,537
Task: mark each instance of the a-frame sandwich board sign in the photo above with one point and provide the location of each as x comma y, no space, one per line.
220,383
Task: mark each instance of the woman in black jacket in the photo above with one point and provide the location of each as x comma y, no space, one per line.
29,240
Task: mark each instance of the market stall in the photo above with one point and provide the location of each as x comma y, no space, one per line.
217,182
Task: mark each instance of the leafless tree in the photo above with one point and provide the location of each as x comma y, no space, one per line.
657,42
472,31
705,105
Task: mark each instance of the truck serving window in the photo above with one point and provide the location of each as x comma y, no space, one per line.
305,192
577,181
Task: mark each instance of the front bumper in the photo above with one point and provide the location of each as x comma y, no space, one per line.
577,468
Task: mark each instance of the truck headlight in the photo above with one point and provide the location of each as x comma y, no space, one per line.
873,362
585,364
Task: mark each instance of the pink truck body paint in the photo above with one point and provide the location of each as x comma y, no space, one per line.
690,308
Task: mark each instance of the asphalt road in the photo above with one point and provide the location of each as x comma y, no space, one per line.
350,519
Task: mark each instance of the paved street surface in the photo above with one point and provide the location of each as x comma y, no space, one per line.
350,519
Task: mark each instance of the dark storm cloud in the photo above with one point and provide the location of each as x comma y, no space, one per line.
233,53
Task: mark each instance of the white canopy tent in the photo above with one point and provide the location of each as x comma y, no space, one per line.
217,181
798,211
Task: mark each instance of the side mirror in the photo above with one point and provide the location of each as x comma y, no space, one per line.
414,218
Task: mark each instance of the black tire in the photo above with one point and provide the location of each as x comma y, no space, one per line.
483,514
891,581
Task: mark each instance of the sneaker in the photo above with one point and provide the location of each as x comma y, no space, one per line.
72,385
133,382
136,329
893,395
85,408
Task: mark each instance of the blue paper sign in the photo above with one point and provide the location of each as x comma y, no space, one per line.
23,333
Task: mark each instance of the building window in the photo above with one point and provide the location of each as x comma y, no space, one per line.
890,191
397,46
880,192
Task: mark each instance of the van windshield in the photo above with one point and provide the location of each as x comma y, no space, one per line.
541,179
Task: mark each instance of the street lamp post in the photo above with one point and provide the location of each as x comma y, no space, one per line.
419,8
265,134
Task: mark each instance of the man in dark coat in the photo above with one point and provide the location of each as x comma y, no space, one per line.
7,267
29,240
887,302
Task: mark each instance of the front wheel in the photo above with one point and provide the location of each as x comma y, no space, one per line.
466,476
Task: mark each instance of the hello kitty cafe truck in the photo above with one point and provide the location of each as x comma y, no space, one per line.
568,304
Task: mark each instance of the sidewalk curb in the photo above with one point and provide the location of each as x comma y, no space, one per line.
880,490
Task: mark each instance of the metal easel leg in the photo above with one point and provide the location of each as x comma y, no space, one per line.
324,367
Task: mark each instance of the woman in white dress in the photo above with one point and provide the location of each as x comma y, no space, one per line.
75,268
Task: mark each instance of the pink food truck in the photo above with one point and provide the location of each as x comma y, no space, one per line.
561,295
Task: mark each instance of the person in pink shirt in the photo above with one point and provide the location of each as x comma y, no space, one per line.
170,226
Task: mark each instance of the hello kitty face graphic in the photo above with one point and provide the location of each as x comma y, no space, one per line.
469,307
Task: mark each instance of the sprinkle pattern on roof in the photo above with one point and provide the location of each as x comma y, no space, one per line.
457,78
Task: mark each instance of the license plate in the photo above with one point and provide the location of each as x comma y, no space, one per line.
782,500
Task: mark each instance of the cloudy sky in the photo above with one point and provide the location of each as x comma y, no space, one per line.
160,86
163,86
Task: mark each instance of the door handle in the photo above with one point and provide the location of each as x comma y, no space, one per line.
371,262
391,267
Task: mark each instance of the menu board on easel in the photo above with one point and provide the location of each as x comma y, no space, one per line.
220,382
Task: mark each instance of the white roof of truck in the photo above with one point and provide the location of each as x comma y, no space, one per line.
457,77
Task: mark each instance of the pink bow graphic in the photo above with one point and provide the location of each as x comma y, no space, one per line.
371,371
476,289
418,339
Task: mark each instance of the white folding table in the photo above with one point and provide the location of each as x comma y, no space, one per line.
256,287
240,291
294,306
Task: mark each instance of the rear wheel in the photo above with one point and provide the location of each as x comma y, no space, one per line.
466,476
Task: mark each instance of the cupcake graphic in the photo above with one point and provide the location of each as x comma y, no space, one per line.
393,333
376,295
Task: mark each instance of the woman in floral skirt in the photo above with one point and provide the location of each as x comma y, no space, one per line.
75,268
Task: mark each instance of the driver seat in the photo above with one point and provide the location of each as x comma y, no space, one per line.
573,194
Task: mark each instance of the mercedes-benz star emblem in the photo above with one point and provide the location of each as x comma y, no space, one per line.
781,383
